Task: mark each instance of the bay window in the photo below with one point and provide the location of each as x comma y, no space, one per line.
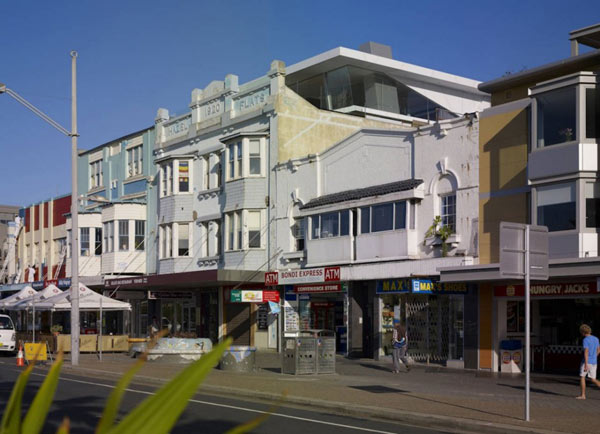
244,229
556,117
98,242
174,240
183,239
244,158
140,234
383,217
123,235
556,207
84,241
175,177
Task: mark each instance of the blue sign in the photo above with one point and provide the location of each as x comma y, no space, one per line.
289,293
64,283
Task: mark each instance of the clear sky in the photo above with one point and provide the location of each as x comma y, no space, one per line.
138,55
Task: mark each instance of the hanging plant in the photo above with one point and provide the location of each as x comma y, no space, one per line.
441,232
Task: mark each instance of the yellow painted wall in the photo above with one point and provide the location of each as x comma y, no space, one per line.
304,129
503,140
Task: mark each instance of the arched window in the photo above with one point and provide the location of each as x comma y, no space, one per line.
446,192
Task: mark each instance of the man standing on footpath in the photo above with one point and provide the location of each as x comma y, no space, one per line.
591,348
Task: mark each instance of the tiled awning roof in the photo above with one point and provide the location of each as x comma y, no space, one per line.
359,193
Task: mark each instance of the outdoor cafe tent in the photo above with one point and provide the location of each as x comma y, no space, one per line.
88,301
23,294
29,302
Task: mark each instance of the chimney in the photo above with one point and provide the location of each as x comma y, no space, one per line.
376,49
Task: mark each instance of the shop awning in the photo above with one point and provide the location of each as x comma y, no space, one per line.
88,301
24,293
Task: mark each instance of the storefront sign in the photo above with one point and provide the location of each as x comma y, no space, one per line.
426,286
113,283
253,296
60,283
303,289
393,286
154,295
250,101
309,275
548,289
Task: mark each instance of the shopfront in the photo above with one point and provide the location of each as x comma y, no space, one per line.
318,306
251,316
558,308
434,316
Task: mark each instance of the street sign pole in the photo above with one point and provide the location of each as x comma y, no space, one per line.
524,255
527,323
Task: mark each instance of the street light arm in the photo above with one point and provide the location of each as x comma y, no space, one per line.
37,111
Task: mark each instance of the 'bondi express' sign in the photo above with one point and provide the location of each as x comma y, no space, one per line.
308,275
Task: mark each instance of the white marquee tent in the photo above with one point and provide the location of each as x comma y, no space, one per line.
29,302
23,294
88,301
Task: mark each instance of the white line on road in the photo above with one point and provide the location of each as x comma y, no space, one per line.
233,407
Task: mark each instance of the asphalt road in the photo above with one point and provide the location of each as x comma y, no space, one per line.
83,399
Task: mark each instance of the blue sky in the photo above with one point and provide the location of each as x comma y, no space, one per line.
136,56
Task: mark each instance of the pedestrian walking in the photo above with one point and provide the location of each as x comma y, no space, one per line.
399,345
589,364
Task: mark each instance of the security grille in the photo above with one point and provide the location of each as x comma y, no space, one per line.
427,327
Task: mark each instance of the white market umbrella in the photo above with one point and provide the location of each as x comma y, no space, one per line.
44,294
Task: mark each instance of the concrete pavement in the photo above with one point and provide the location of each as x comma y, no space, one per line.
426,396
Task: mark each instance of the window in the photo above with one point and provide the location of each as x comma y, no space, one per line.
183,239
254,229
184,176
140,234
84,241
123,235
556,207
237,218
255,160
592,113
134,161
333,224
232,172
217,237
96,174
98,242
218,170
383,217
298,234
230,238
592,205
239,172
556,114
163,179
110,231
448,211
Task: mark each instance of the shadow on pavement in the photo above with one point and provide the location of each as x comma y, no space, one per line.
378,389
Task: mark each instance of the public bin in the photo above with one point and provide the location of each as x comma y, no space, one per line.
511,356
238,358
309,352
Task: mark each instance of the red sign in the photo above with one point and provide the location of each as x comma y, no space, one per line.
548,290
302,289
303,275
271,278
270,295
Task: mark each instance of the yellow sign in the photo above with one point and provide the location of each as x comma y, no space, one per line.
36,351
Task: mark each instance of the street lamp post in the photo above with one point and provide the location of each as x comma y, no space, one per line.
74,202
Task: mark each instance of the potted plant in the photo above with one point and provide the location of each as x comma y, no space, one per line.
56,329
439,232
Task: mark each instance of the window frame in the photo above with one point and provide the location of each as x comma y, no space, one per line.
445,216
124,235
139,246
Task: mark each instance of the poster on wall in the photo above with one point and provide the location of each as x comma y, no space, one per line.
292,319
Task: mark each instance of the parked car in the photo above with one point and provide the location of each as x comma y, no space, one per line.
8,335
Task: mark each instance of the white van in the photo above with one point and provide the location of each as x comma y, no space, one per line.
8,335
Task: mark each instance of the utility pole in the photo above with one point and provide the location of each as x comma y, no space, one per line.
74,202
74,218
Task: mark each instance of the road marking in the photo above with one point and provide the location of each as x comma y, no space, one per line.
233,407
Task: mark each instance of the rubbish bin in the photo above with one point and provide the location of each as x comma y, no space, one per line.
310,352
511,356
325,351
239,359
300,354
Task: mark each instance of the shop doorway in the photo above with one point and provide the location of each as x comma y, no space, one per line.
237,316
178,317
323,315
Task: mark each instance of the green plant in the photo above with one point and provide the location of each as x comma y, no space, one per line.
155,415
438,230
56,328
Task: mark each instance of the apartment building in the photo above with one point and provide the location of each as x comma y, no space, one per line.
539,165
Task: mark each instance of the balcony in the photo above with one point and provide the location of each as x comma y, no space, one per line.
400,244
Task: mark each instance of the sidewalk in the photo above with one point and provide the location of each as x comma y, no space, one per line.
426,396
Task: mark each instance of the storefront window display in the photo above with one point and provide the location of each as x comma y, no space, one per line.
433,314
